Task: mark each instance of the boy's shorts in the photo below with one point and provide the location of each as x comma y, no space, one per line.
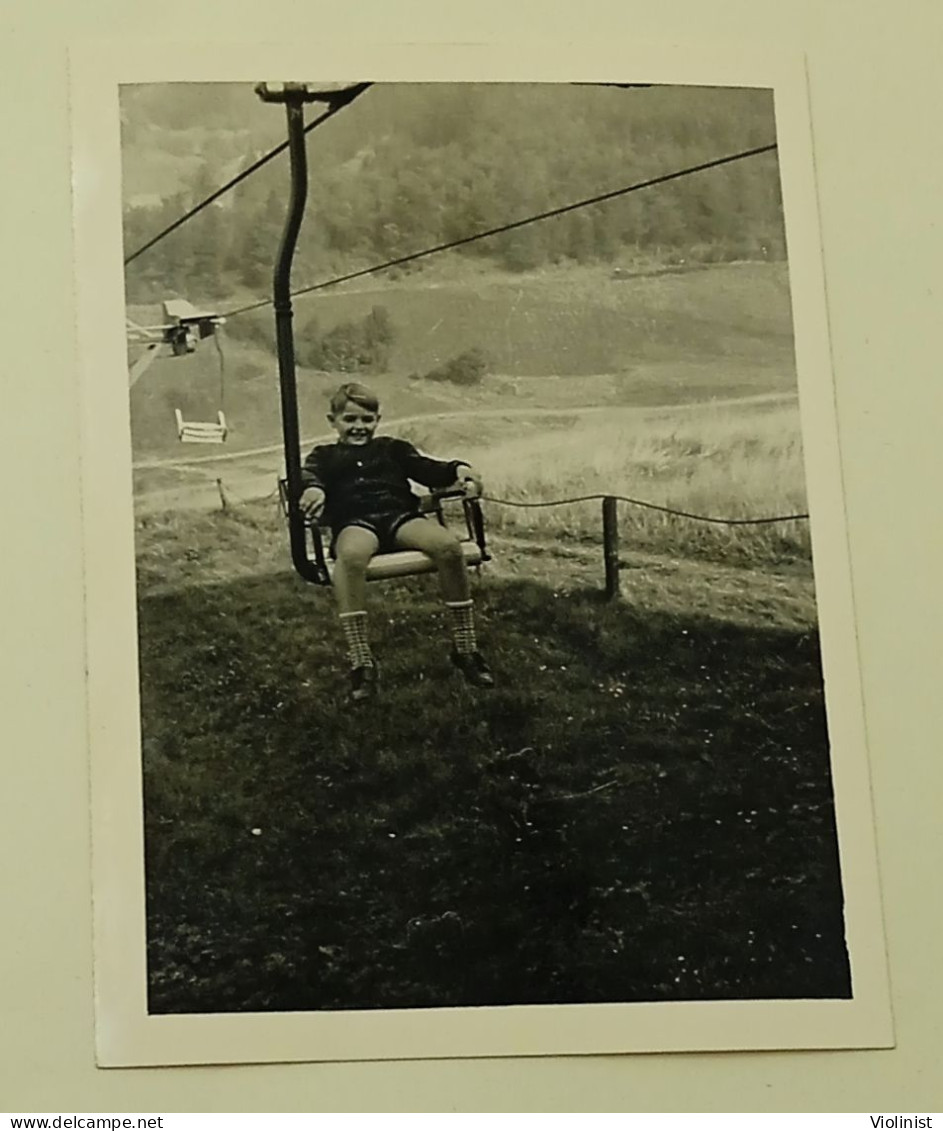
383,525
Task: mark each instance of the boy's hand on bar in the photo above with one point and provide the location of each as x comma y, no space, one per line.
470,481
311,502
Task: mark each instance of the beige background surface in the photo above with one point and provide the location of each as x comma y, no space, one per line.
875,88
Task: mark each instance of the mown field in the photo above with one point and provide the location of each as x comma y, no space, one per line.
720,332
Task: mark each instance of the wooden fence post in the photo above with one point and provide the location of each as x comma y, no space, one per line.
610,541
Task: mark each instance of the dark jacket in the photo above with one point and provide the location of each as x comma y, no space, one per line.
360,480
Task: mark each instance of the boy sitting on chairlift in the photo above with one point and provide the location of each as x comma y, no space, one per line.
360,487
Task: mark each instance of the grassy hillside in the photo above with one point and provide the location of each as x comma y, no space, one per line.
719,332
641,811
580,320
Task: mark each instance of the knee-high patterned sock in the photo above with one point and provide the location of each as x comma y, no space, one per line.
355,633
463,626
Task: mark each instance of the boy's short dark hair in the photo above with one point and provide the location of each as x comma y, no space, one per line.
359,394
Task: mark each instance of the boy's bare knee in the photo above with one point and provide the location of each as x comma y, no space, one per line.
353,561
354,548
448,552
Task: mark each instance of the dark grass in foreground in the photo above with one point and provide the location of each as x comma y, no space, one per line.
641,811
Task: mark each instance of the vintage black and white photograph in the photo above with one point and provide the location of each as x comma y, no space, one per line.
478,646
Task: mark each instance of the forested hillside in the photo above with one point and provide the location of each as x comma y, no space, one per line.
407,166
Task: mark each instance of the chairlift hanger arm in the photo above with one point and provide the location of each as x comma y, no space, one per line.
293,96
300,92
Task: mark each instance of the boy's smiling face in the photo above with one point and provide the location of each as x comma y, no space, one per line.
354,424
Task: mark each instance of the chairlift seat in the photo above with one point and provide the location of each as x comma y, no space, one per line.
406,563
402,563
201,432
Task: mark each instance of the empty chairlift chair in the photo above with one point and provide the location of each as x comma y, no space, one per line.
185,328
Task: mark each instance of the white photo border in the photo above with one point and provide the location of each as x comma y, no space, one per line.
126,1035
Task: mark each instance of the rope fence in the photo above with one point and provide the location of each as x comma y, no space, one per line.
610,519
610,524
648,506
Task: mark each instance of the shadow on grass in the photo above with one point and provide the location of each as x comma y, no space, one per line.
641,811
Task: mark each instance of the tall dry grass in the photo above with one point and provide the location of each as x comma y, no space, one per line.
725,461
